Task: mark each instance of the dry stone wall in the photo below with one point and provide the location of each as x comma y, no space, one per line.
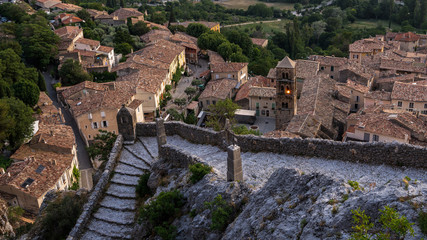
394,154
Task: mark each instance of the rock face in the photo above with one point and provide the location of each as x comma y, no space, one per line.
6,228
295,206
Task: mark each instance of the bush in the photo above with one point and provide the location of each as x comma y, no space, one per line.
161,212
196,82
198,171
5,162
221,213
174,114
168,88
243,130
57,85
190,119
76,178
422,221
142,188
102,145
355,185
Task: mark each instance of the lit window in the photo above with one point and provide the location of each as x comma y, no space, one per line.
288,91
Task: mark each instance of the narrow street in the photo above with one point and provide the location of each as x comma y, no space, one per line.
82,155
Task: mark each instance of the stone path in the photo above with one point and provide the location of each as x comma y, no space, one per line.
115,217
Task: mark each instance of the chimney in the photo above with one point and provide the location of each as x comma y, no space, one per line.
8,174
53,162
2,171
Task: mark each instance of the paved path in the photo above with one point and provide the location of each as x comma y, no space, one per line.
115,217
82,155
247,23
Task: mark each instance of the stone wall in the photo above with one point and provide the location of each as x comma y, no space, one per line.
177,157
96,193
394,154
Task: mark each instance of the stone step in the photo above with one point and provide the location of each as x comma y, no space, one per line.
151,144
110,229
118,203
121,191
114,216
92,235
140,151
125,179
128,170
128,158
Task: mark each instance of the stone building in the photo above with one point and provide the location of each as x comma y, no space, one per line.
286,92
411,97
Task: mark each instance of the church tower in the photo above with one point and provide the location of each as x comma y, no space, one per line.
286,92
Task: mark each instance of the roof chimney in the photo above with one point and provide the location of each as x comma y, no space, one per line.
53,162
2,171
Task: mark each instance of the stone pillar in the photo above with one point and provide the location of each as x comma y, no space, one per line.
234,164
126,124
161,132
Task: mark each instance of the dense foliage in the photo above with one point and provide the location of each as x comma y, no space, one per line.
221,213
142,188
72,73
198,171
16,122
102,145
220,111
243,130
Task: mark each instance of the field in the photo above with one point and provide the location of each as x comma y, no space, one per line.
267,27
372,23
243,4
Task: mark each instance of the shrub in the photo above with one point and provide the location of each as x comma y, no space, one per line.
5,162
142,188
221,213
393,222
14,213
422,222
243,130
198,171
57,85
174,114
102,145
196,82
355,185
363,225
161,212
168,88
76,177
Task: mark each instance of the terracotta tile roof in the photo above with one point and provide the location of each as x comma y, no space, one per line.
272,73
54,167
105,49
257,81
104,16
280,134
391,35
286,62
60,136
262,92
185,40
404,77
413,67
67,7
85,53
155,25
193,105
68,91
94,13
219,89
306,69
135,104
207,24
358,69
227,67
328,60
214,57
44,100
407,37
125,13
366,45
409,92
379,95
259,41
379,123
89,42
146,79
155,36
356,86
69,32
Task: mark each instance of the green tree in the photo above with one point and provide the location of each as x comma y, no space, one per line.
227,49
220,111
122,3
102,145
20,122
123,48
139,28
196,29
72,73
41,82
211,40
12,44
39,44
242,39
13,69
158,17
27,91
190,91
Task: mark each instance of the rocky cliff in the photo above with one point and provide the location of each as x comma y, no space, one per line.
6,228
291,205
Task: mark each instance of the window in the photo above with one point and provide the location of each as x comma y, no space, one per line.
103,114
271,99
104,124
90,115
207,102
273,106
424,112
257,105
149,98
399,104
288,91
88,136
411,105
229,76
366,137
283,75
114,132
356,106
425,105
213,102
262,112
85,126
259,98
332,68
95,125
357,98
282,88
216,76
375,138
284,105
322,68
332,77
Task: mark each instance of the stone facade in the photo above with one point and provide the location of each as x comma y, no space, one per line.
234,164
394,154
286,96
127,123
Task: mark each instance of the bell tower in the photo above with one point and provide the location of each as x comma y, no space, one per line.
286,92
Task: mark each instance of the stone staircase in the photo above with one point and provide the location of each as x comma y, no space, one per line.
115,217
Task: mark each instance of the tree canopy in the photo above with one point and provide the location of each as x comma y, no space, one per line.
72,73
220,111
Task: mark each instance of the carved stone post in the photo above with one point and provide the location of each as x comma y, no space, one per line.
234,164
126,123
161,132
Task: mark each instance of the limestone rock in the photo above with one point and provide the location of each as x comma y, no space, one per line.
6,228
